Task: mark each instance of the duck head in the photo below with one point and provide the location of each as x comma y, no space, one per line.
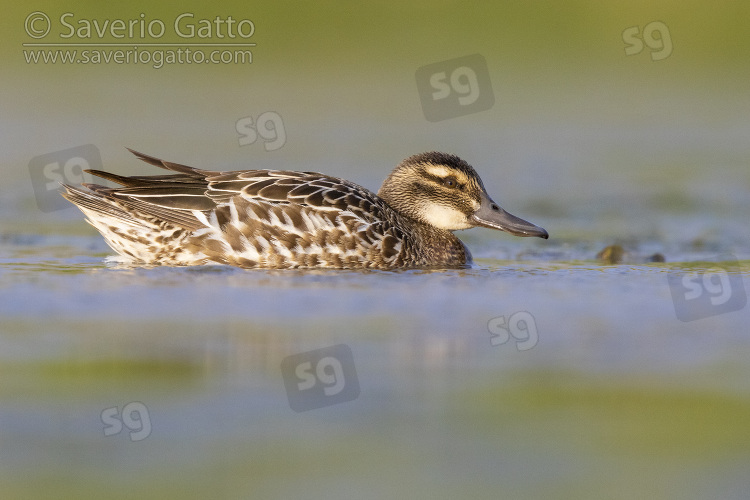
443,191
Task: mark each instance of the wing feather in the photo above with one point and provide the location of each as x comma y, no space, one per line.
306,211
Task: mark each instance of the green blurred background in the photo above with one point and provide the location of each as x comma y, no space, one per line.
619,400
573,114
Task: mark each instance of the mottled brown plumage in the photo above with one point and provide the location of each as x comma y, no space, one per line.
285,219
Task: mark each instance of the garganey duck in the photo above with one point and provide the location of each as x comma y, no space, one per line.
282,219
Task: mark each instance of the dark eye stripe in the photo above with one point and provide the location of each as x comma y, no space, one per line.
443,181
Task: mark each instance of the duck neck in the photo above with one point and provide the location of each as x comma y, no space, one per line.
438,247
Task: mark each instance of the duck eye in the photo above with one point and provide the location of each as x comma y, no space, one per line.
450,182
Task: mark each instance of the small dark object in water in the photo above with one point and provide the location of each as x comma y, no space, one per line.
657,257
611,254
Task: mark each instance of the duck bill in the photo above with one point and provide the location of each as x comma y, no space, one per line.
492,216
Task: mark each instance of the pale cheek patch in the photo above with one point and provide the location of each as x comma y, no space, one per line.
445,218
